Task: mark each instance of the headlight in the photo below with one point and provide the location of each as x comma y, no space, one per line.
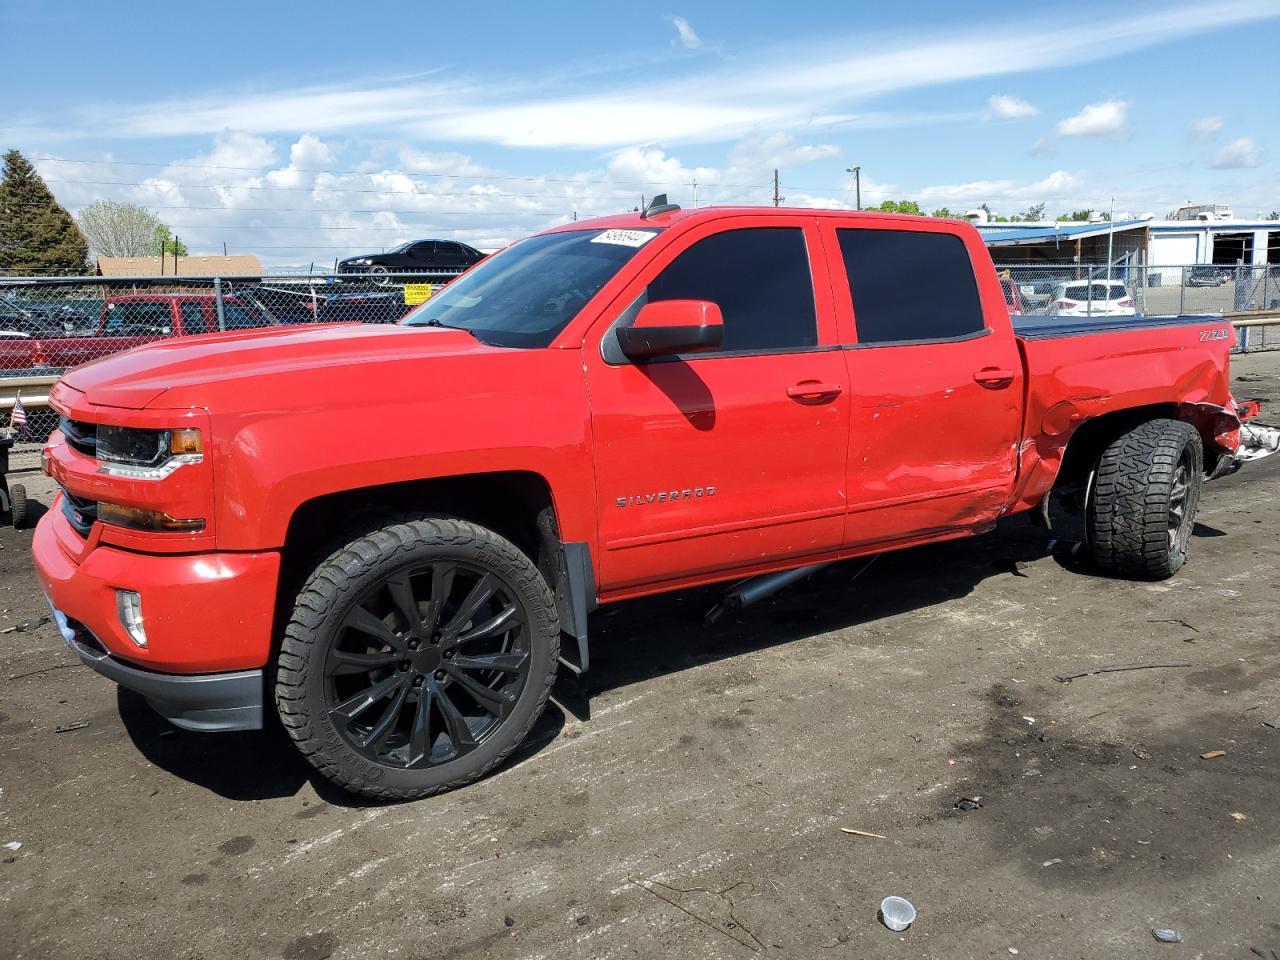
140,454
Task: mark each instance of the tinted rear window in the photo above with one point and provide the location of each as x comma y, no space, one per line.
910,286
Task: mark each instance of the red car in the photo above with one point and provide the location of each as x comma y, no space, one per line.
134,319
385,532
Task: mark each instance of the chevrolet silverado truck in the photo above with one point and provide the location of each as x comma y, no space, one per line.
385,532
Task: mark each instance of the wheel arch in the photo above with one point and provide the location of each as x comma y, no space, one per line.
519,505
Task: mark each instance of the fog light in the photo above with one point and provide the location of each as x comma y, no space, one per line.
129,608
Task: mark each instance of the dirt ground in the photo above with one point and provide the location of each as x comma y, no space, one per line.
697,812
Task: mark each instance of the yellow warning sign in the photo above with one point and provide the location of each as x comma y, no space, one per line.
416,293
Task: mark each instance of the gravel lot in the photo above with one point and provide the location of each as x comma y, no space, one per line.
697,811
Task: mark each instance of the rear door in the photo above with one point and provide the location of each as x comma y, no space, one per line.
935,386
732,459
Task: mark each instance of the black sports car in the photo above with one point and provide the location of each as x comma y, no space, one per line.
416,256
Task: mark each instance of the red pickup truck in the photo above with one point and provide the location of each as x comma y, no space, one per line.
128,321
385,530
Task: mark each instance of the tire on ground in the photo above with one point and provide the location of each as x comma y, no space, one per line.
1135,530
337,585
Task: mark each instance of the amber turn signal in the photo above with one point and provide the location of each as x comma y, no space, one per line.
185,442
136,518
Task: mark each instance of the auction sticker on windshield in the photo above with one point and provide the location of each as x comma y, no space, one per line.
625,238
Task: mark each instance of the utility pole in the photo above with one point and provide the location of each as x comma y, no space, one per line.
777,199
175,254
1111,227
857,183
695,194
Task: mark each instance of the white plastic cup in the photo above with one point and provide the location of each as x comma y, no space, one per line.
897,913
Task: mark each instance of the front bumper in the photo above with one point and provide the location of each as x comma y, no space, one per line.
211,702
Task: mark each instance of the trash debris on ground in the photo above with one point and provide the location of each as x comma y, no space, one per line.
583,920
1239,817
897,913
1050,863
862,833
1166,935
73,725
1013,951
1213,755
1228,593
1142,753
969,803
1273,724
1068,677
1029,719
27,625
1181,623
509,921
14,845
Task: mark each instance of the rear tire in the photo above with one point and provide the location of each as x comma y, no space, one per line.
1142,506
417,658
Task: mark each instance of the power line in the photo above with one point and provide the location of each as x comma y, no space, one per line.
373,173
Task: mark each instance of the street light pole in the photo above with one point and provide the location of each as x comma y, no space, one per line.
857,183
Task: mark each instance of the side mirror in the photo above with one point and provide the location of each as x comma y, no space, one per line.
669,327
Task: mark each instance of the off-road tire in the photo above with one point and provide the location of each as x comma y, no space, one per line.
334,588
1135,528
19,507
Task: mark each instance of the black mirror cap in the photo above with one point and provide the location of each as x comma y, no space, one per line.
647,343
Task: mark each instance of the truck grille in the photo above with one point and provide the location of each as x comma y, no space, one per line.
80,436
81,514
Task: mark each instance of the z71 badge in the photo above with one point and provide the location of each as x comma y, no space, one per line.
1218,333
666,496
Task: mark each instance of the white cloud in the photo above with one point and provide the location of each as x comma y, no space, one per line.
1239,153
303,211
1107,118
1205,128
685,34
1053,188
1005,107
781,88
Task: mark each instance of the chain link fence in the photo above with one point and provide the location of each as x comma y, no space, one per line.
48,325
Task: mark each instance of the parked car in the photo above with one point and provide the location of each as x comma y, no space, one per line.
416,256
134,319
1207,275
1012,296
387,532
368,306
284,305
1091,298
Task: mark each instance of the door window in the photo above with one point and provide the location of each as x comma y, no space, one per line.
910,286
193,318
760,279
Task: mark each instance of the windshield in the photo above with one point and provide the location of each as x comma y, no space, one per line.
525,295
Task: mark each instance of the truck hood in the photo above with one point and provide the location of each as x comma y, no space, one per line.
140,377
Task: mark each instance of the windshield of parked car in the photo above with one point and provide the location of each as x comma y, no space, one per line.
525,295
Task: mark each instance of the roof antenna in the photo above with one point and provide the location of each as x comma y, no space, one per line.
658,205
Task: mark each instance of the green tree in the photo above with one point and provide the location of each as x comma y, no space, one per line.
172,244
1274,215
898,206
37,235
1034,213
942,212
1079,216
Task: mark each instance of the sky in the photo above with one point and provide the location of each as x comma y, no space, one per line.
303,133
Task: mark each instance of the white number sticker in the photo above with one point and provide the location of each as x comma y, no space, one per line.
625,238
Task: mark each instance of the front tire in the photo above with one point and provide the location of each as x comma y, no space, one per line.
417,658
1142,506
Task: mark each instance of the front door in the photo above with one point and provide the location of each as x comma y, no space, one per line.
732,459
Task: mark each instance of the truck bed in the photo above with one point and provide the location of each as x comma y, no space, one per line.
1039,327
